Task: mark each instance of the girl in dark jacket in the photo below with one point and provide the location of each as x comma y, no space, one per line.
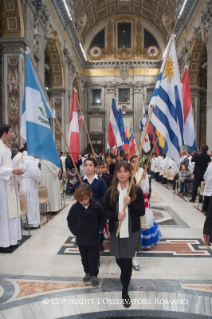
129,240
85,221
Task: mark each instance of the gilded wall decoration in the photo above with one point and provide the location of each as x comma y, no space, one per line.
12,14
13,103
138,49
55,63
58,114
110,49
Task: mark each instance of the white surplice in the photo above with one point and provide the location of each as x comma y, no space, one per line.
10,228
29,186
49,177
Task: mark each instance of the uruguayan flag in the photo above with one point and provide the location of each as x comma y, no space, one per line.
35,128
167,115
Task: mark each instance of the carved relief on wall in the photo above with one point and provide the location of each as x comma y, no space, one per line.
58,114
138,49
110,87
110,48
13,102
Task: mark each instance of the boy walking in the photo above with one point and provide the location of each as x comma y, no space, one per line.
86,222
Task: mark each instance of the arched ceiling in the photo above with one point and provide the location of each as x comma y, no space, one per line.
88,13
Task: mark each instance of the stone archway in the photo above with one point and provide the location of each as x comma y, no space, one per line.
12,19
57,74
54,80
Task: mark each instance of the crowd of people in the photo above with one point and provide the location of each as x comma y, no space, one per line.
101,199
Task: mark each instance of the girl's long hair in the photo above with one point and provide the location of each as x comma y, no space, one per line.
114,190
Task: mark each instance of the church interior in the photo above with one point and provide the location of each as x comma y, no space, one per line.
105,49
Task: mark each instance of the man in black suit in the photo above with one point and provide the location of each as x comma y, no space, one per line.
201,161
207,229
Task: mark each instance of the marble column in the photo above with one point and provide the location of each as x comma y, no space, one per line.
109,91
57,98
13,56
83,134
138,108
207,18
195,95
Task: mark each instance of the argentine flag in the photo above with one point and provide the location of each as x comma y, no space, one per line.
167,116
35,128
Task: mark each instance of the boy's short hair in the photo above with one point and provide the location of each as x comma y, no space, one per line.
91,160
108,154
99,162
82,191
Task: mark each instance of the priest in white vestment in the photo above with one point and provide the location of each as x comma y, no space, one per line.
29,186
49,177
10,223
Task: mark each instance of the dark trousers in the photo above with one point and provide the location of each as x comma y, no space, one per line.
175,180
156,176
198,178
90,258
206,203
125,265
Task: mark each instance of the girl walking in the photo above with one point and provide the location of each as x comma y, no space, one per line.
129,241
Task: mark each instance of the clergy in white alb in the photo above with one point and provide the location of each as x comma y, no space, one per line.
49,177
29,186
10,224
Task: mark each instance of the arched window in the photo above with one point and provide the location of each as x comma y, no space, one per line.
149,39
99,40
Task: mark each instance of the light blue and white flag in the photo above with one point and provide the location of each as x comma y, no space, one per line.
35,128
167,115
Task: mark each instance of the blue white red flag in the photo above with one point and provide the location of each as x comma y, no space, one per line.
189,132
167,116
114,136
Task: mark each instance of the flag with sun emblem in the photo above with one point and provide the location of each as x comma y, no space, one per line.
167,114
35,128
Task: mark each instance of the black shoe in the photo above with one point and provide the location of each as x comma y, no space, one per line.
102,248
126,300
5,250
192,201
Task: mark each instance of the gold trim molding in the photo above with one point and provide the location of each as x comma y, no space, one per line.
116,72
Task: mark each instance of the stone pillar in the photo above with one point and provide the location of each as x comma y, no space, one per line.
138,108
84,106
195,95
109,91
57,98
207,22
13,51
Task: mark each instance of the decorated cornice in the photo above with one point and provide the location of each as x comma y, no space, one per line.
182,23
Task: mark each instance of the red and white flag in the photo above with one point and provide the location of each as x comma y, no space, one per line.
189,132
114,136
146,145
74,139
133,150
80,121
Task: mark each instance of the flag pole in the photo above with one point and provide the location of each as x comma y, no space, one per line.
92,150
139,183
58,123
134,171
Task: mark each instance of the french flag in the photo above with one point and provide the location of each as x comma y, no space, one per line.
189,133
114,136
74,138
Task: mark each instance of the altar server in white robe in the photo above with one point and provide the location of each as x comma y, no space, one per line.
29,186
10,224
49,177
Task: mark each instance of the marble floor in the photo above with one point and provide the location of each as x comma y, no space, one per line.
42,278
